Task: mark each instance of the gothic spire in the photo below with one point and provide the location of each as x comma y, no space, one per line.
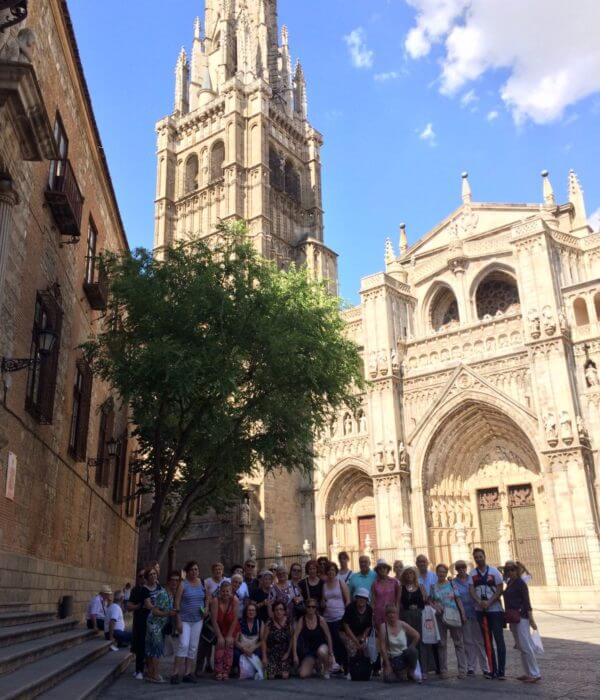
300,99
576,199
389,251
547,190
182,74
466,189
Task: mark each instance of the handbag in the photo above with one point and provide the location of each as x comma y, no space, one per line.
452,617
536,641
251,668
512,616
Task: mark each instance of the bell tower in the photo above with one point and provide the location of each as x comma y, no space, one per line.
238,144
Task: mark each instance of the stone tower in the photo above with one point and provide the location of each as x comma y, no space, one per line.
238,145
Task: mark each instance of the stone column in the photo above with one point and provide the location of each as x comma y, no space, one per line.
8,198
548,554
407,552
593,545
460,549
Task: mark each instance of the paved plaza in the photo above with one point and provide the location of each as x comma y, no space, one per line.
570,669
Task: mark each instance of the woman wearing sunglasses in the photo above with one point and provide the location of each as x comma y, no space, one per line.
519,616
312,645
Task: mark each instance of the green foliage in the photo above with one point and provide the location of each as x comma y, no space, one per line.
228,365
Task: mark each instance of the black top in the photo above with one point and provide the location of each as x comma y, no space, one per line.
311,640
139,595
411,599
357,622
516,597
260,596
311,591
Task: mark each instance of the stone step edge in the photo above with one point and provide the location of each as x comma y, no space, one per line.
41,682
102,673
12,619
24,633
39,648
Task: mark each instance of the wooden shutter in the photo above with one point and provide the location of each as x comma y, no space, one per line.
49,367
83,420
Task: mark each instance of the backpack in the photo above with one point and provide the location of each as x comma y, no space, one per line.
359,667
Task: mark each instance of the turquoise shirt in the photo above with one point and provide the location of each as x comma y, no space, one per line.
359,580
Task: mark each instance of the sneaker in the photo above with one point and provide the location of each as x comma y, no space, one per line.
114,647
189,678
348,677
470,673
138,676
488,675
175,680
326,676
501,677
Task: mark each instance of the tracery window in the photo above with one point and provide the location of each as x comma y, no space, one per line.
497,294
444,309
292,182
191,174
217,158
277,172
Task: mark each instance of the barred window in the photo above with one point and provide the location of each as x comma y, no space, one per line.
90,260
80,417
41,381
105,432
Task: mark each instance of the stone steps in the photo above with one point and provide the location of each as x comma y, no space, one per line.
21,617
33,679
16,634
16,655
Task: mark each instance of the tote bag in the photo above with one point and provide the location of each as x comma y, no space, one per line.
430,633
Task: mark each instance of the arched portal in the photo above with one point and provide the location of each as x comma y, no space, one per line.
482,470
350,511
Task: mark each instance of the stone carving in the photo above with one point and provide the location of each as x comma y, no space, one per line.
394,359
348,424
244,513
383,362
378,458
562,321
591,374
390,455
550,428
16,45
566,428
402,456
581,429
373,364
534,324
549,320
252,551
362,422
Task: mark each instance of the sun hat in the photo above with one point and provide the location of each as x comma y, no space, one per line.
265,572
362,593
382,562
106,590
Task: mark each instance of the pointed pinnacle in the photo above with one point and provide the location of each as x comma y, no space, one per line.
466,188
403,239
547,189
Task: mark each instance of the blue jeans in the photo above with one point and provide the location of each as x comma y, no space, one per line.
122,637
495,629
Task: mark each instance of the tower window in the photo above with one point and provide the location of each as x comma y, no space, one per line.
292,182
277,172
217,158
191,174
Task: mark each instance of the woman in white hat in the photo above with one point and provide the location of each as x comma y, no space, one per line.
357,623
385,591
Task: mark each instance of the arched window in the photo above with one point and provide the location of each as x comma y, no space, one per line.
597,305
444,309
276,167
191,174
497,294
292,182
582,317
217,158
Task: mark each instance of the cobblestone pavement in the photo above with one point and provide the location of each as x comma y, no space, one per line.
570,669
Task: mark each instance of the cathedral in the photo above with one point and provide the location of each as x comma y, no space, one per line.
480,423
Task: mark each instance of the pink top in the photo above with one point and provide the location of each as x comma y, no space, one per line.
334,601
387,591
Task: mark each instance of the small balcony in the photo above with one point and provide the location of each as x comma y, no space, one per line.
64,198
95,284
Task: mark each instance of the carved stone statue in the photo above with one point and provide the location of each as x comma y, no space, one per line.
550,427
566,427
581,429
378,457
362,422
348,424
244,513
383,362
395,360
562,321
390,455
549,320
17,46
402,456
591,375
373,364
252,551
534,324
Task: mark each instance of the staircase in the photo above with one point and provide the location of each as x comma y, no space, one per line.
44,657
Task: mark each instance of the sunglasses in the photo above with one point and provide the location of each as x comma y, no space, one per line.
510,568
308,607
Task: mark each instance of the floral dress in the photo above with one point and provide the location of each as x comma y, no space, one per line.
278,645
155,627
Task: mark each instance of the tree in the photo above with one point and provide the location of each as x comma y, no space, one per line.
228,364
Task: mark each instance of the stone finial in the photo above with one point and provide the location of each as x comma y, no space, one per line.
181,83
285,39
548,192
403,239
466,188
576,199
389,251
197,28
300,96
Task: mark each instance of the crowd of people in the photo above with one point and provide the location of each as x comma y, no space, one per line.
323,619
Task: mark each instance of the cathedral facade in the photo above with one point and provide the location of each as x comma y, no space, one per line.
480,423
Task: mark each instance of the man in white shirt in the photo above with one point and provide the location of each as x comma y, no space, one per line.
485,589
96,609
116,633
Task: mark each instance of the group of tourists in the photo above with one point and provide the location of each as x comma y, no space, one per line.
324,619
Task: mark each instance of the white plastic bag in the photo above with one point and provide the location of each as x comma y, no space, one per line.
372,650
251,668
417,673
536,642
430,633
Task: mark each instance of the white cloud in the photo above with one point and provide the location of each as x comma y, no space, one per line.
485,35
360,55
492,115
594,220
469,99
428,135
384,77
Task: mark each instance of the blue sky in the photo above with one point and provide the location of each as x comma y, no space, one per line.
407,93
